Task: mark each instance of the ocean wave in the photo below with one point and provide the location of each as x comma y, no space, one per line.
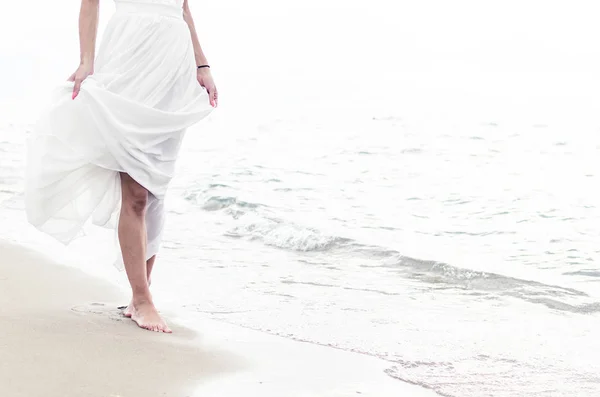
277,233
445,276
442,273
252,224
395,373
255,222
216,202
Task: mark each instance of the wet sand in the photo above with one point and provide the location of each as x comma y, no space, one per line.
61,335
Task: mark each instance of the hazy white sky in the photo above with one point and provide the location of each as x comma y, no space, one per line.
524,51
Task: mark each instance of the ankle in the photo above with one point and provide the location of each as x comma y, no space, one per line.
142,299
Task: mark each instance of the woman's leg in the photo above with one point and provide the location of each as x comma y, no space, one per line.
155,221
149,267
128,310
132,237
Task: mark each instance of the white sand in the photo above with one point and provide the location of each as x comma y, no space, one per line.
62,336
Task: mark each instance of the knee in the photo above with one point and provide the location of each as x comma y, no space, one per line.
136,200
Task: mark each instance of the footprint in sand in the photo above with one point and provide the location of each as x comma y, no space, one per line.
99,309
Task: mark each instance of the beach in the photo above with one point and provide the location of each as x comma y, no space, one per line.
389,194
62,335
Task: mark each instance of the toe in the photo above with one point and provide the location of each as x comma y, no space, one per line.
165,328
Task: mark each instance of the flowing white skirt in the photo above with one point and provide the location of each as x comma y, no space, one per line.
130,117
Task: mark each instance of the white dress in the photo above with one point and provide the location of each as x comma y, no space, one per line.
130,117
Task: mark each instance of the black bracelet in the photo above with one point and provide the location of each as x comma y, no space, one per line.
203,66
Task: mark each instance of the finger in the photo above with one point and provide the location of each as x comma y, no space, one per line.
76,88
216,95
71,78
211,94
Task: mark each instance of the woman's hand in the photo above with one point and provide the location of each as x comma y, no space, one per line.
82,73
205,79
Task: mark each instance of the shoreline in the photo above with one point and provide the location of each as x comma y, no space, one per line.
64,336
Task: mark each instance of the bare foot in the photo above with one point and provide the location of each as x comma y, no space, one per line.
128,310
146,316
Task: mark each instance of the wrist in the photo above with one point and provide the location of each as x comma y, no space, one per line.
88,63
204,69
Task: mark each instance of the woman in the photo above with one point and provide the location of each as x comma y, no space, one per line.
106,149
